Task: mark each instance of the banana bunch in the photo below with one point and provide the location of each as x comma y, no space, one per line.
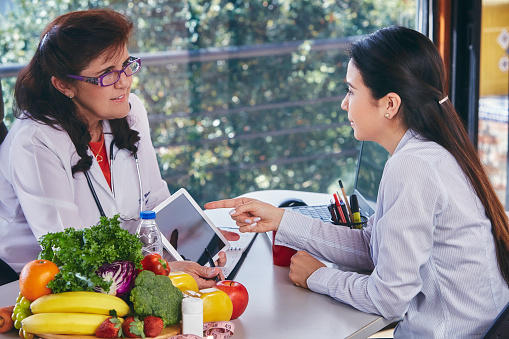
76,313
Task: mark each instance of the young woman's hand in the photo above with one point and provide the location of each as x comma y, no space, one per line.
251,215
302,266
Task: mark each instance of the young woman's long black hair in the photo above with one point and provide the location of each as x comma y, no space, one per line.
404,61
68,45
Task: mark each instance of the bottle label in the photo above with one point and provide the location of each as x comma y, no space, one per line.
150,237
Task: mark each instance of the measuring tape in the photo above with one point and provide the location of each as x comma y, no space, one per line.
213,330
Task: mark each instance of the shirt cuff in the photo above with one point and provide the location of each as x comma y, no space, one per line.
319,281
294,230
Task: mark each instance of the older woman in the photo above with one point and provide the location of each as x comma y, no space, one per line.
81,148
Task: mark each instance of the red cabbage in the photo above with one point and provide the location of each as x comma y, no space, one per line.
121,273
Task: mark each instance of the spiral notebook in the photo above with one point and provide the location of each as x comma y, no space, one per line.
236,254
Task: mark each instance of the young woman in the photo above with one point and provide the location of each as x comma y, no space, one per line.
81,147
437,244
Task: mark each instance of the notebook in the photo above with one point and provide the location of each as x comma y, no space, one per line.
236,254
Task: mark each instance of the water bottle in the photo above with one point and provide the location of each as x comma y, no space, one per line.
149,234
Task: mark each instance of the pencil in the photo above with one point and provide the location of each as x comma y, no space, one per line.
346,199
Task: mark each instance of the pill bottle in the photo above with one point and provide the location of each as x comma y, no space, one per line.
192,316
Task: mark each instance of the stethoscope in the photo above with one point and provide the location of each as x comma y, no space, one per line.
96,198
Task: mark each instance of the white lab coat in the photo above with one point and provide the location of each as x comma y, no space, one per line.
38,193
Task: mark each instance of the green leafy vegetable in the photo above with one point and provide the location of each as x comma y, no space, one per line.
80,252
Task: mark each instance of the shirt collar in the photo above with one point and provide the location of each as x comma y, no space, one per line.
409,134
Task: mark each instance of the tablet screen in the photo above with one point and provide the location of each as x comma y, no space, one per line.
187,230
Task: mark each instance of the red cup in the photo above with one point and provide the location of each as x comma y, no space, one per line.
281,255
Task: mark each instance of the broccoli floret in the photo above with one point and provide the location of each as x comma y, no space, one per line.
155,295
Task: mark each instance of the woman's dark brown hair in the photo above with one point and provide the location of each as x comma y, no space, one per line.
404,61
68,45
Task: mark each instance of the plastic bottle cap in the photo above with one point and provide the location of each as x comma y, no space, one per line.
147,214
192,305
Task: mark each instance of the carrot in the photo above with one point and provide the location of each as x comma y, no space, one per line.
6,323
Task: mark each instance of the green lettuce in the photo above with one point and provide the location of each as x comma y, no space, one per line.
80,252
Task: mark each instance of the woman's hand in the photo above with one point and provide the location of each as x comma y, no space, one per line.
221,261
230,236
204,276
302,266
251,215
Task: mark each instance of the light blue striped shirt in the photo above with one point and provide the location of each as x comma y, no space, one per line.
429,247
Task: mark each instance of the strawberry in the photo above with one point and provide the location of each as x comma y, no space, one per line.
133,327
152,326
109,328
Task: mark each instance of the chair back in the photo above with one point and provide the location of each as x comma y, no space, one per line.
500,326
3,131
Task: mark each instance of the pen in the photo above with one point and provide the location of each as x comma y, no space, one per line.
346,198
335,211
211,262
338,206
355,208
345,211
332,212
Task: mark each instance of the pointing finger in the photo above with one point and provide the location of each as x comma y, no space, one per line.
227,203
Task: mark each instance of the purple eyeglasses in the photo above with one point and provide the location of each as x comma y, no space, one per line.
131,66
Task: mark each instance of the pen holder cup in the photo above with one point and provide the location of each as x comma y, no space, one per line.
281,255
356,225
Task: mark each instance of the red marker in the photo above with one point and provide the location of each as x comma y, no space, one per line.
340,210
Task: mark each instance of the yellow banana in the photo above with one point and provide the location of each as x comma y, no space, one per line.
79,302
63,323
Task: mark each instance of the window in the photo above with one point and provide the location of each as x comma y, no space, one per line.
493,87
241,95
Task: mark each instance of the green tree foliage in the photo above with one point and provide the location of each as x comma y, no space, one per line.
227,126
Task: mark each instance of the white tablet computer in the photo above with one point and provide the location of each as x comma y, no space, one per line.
186,230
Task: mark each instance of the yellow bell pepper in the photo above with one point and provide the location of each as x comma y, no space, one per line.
217,305
183,281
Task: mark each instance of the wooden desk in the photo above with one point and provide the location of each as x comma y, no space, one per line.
277,309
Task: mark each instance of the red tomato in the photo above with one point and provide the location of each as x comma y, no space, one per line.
153,262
